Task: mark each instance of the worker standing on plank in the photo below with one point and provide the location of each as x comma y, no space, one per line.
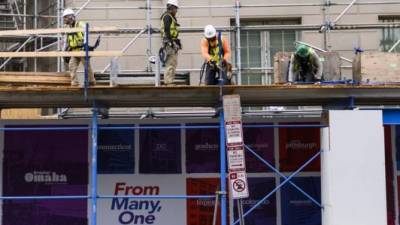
75,42
170,41
305,65
216,51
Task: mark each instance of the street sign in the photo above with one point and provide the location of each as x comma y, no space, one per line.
239,185
235,147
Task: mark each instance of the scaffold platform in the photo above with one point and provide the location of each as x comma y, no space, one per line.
197,96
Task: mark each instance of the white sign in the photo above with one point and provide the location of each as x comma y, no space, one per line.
234,134
239,185
119,211
236,159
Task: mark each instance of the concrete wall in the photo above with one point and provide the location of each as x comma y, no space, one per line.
343,41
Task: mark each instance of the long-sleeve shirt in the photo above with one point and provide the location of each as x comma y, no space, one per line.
295,67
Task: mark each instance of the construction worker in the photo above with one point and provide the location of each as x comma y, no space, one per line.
211,50
75,42
170,41
305,65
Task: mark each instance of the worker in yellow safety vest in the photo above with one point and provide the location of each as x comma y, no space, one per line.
171,44
216,51
75,42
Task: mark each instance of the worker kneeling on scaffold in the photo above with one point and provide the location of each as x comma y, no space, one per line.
305,66
75,42
216,52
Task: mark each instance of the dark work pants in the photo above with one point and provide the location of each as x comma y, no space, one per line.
212,75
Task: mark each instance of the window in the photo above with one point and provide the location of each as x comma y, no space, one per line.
390,35
259,47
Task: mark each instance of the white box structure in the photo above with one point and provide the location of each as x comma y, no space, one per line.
353,169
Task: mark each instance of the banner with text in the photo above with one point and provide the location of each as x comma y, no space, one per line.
45,163
297,146
116,151
160,151
122,210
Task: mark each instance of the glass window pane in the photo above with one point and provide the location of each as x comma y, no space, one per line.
390,35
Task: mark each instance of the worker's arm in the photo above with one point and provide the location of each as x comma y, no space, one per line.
204,49
291,69
167,26
227,49
319,66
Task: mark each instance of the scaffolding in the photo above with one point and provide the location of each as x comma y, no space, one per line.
52,12
37,43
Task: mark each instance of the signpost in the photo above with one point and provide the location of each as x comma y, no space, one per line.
235,151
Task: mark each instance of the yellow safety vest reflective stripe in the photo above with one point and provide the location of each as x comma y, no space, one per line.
213,50
76,40
173,29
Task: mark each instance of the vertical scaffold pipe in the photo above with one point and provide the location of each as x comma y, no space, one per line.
149,33
223,165
94,166
238,45
86,80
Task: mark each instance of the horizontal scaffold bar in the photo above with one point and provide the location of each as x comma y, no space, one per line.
59,54
56,31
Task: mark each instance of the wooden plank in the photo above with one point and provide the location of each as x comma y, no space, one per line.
281,67
8,114
15,73
56,31
59,54
331,65
377,67
26,78
59,80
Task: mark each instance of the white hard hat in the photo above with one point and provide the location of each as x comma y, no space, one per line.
209,31
68,12
173,2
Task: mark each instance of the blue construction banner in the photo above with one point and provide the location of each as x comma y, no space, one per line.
202,149
265,212
398,147
297,209
116,151
45,163
160,150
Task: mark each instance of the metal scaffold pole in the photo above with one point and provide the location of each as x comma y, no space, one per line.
94,166
238,44
35,26
222,165
149,33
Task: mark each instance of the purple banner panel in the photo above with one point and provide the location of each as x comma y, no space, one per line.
260,140
160,151
297,209
116,151
45,163
202,150
265,213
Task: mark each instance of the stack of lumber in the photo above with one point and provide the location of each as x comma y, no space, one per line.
38,78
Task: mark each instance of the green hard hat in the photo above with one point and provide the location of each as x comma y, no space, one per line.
302,51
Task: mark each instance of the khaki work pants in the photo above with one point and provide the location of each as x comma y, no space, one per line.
170,65
73,68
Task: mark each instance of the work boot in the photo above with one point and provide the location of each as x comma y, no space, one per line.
74,83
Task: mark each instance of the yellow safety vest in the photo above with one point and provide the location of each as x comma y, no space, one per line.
174,31
76,40
213,50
